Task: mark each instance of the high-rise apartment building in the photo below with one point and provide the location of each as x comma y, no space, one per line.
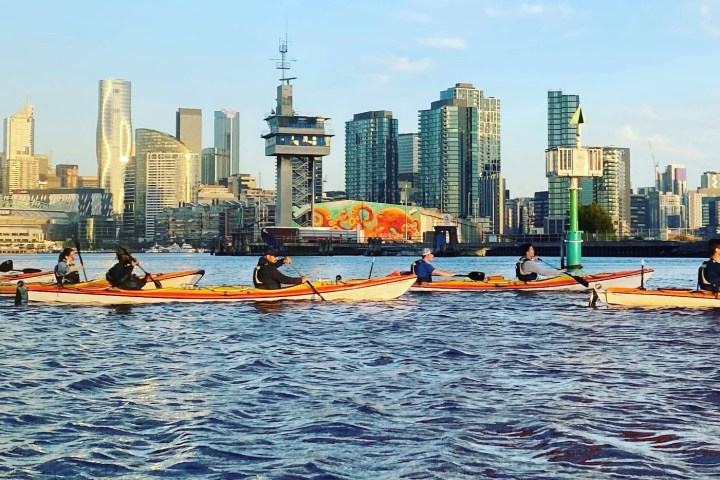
710,180
20,168
214,166
114,138
188,128
408,156
68,175
371,157
227,136
560,109
163,173
460,156
612,190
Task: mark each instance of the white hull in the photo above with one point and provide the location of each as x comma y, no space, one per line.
661,298
386,288
42,277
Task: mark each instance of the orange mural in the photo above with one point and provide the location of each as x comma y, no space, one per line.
389,222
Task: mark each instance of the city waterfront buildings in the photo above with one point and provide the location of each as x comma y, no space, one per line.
114,138
19,167
188,128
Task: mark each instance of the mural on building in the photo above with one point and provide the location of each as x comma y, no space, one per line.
387,221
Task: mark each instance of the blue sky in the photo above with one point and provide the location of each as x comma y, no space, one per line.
646,71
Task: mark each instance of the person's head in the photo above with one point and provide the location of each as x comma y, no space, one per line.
527,250
713,245
123,256
271,254
66,254
427,254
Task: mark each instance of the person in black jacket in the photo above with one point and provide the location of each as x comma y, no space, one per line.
121,274
709,273
267,276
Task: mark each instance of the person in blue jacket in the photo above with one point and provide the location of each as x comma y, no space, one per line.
424,270
709,273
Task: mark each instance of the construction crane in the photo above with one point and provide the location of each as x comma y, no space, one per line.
656,175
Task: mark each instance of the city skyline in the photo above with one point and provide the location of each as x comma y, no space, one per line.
640,80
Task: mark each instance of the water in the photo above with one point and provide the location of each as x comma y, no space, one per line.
446,386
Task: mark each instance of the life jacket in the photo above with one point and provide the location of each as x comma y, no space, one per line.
520,273
425,279
72,277
702,283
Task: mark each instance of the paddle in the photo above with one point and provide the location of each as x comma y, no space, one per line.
77,249
7,266
475,276
577,278
371,267
308,282
156,282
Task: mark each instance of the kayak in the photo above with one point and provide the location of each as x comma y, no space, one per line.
497,283
381,288
661,297
171,279
32,277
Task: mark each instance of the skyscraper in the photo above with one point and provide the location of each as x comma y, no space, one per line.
227,136
165,173
371,157
114,138
188,128
612,189
560,109
20,168
460,155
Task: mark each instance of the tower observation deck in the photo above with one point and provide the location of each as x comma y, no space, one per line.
298,143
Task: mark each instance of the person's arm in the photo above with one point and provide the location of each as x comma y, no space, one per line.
442,273
278,276
540,269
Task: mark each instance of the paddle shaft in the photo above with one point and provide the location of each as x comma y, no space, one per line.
308,282
77,248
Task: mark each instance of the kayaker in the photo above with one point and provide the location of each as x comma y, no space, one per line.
709,273
267,276
529,266
424,270
121,274
66,271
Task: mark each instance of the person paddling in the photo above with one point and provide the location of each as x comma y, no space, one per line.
66,271
121,274
424,270
529,266
267,276
709,273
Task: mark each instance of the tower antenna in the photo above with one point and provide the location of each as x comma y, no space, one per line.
283,63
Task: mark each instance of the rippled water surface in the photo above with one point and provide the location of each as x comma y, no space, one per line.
447,386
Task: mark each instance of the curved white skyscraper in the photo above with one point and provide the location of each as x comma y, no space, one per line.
114,138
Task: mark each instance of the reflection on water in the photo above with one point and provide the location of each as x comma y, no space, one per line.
499,385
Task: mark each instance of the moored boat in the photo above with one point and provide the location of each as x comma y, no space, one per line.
374,289
27,277
661,297
179,279
564,282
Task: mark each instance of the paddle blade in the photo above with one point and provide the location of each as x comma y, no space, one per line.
580,280
476,276
31,270
6,266
157,283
